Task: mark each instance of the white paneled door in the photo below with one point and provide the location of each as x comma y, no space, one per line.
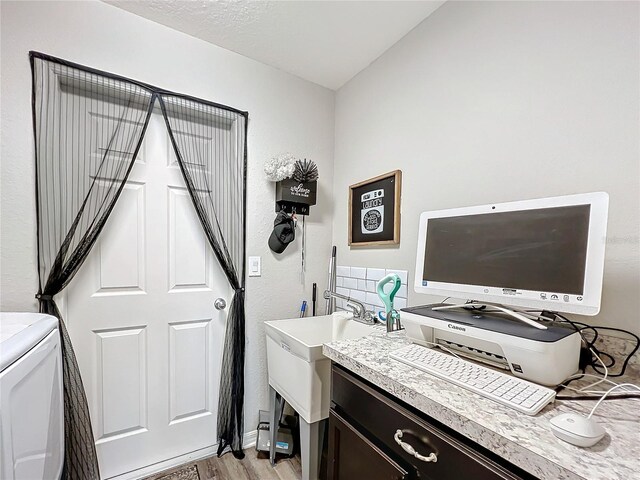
141,317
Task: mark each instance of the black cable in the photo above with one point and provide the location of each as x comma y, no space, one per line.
592,397
567,382
584,326
605,354
629,355
600,353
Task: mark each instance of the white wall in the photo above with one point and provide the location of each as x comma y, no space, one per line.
496,101
285,114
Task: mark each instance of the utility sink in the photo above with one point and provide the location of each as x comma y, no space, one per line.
305,336
297,368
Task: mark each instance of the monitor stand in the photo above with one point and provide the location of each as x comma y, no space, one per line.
508,311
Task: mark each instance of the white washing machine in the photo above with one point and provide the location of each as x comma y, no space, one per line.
31,405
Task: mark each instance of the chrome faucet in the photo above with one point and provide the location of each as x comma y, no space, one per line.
360,312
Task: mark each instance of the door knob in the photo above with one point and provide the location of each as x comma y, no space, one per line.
220,304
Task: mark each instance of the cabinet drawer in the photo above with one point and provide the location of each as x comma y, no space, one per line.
381,417
353,456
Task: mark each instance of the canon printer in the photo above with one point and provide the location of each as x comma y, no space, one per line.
546,357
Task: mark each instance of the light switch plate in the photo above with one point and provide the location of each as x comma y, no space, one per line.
255,267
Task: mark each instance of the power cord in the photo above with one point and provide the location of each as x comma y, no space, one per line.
629,355
608,392
586,393
622,396
590,344
597,354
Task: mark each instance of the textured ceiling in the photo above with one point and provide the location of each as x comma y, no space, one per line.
325,42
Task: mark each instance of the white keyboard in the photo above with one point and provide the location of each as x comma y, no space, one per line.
519,394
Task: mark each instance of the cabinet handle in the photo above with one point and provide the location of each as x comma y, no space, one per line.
412,451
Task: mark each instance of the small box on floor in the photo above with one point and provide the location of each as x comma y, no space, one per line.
284,438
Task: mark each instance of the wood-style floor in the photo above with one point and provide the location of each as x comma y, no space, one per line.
253,466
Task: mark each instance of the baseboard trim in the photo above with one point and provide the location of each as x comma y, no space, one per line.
248,440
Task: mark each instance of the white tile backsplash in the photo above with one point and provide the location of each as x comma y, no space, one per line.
358,272
374,299
342,271
350,283
360,284
358,295
375,273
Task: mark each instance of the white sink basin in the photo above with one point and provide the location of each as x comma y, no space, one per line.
305,336
297,368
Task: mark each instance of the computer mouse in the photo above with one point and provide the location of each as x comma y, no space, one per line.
577,429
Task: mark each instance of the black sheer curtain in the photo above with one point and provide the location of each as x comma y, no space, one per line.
88,129
210,143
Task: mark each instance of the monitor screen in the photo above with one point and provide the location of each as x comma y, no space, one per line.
543,249
543,254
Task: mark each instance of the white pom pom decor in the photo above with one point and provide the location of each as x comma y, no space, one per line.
280,167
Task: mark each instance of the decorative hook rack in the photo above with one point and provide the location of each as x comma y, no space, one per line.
295,197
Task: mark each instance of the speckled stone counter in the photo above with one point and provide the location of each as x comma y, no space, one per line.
525,441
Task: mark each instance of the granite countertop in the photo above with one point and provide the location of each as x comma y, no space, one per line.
523,440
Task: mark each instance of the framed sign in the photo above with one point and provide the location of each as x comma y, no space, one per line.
374,210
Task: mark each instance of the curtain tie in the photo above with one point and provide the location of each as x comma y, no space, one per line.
43,297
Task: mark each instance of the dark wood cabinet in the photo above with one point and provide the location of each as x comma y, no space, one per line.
372,435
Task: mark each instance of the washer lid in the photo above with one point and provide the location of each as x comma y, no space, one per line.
20,332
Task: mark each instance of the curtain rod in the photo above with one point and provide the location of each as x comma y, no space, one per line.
147,86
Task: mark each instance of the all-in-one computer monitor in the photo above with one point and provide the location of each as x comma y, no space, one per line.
543,254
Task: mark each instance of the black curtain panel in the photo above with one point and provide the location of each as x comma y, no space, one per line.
87,130
210,143
88,127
